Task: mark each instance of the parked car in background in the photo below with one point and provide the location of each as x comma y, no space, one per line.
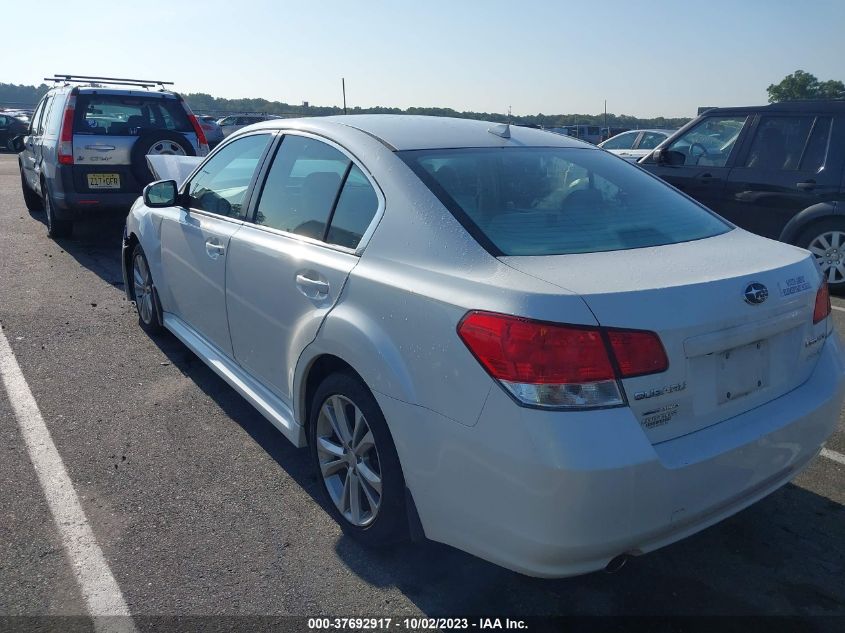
87,144
635,144
10,127
235,122
777,170
609,132
589,133
496,337
213,131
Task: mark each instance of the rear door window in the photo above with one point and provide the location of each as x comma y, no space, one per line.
815,154
553,201
302,187
116,115
356,207
650,140
779,142
622,141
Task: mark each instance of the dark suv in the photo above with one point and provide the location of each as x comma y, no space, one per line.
777,170
88,142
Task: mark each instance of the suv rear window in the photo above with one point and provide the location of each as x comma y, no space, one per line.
116,115
556,201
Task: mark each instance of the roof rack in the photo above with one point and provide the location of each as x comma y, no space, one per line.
141,83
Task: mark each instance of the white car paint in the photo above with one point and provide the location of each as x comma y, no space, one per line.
631,150
546,492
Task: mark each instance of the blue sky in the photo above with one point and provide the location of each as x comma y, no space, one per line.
647,58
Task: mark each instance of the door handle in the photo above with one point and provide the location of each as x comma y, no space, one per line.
214,249
807,185
312,288
101,148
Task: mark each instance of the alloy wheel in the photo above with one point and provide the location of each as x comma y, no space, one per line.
166,147
829,251
349,461
143,287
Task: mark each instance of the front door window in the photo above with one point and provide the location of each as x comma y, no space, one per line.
710,143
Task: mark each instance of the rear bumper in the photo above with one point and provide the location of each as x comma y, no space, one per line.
559,494
75,205
70,204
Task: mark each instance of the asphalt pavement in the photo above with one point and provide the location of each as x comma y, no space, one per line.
201,507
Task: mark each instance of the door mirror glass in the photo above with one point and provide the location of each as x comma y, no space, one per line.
673,157
160,194
18,144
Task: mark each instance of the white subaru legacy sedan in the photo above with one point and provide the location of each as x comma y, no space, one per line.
498,338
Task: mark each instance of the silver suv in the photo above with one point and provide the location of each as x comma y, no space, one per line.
87,144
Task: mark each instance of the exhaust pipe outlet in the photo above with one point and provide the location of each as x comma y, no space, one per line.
616,563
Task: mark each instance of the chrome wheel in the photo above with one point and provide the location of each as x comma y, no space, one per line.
829,250
166,147
142,284
349,460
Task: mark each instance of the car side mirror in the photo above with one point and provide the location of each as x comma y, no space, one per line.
674,158
162,193
18,144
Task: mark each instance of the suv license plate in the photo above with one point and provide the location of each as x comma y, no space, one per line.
104,181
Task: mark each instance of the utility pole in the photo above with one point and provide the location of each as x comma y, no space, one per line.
343,85
605,116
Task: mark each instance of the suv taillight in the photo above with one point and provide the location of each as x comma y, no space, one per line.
557,365
65,149
822,307
202,141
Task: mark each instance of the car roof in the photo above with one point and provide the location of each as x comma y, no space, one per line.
409,132
835,105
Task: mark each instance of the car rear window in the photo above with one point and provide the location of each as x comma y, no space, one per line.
555,201
116,115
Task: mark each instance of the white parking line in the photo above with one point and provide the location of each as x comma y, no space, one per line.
839,458
837,308
96,582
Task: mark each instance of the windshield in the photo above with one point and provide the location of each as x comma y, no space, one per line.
555,201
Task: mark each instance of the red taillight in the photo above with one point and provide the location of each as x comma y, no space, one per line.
201,140
520,350
637,352
65,149
557,365
822,307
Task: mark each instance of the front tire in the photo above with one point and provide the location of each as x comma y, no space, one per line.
356,461
56,227
825,239
144,293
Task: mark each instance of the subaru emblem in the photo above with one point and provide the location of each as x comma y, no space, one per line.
756,293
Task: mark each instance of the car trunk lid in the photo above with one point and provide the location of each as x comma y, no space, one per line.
727,354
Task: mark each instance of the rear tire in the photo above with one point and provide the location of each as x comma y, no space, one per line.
825,239
356,461
31,199
144,292
56,227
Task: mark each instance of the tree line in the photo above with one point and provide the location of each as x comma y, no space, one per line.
797,85
22,96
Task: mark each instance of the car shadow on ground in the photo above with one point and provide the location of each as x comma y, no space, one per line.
785,555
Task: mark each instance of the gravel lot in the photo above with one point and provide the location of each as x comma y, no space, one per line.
202,508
